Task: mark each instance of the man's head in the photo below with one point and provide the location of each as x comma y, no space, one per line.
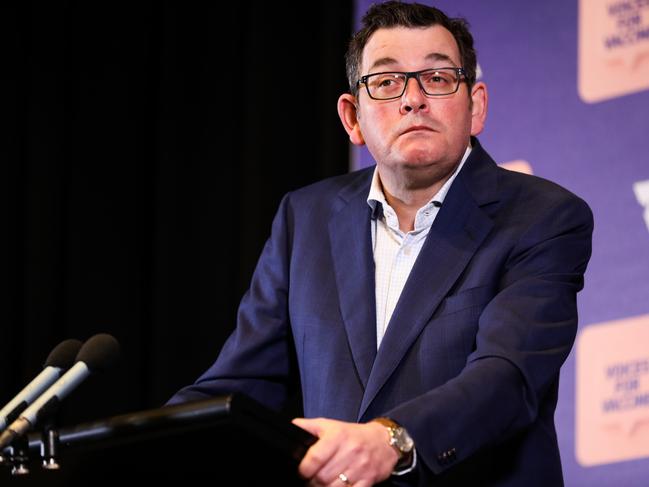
415,102
396,14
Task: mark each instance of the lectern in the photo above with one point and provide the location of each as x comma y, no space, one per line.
229,440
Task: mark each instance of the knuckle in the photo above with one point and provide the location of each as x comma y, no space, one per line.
316,459
356,447
361,458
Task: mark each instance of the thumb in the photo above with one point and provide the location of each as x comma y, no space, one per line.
313,426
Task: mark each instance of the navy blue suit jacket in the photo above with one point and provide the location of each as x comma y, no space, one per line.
470,360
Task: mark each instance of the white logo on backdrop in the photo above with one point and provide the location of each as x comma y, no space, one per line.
641,190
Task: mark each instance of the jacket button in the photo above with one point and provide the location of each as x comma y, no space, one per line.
444,458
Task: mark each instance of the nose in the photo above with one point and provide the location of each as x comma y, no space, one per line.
413,98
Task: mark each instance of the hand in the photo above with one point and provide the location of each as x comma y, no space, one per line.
360,452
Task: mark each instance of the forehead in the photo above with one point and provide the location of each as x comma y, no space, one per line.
408,48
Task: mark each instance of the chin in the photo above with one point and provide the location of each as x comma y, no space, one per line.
422,153
421,159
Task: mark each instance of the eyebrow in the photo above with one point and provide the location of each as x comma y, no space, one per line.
433,56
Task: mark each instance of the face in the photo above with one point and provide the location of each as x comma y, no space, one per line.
421,138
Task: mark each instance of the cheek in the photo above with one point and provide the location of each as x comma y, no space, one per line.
375,128
458,122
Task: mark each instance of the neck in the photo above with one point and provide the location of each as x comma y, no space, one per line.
406,200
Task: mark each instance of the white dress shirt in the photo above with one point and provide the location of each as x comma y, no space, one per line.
395,252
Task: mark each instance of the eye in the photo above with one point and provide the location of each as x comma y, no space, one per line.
437,78
386,80
384,86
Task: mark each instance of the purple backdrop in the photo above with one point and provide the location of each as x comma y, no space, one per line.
573,128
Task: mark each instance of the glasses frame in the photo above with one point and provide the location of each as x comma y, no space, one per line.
459,72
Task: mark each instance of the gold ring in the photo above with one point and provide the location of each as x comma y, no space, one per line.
343,478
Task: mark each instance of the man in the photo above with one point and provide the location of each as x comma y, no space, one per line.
428,303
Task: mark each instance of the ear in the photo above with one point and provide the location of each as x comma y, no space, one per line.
348,113
479,101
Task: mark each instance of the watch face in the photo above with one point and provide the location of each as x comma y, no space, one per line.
400,440
403,441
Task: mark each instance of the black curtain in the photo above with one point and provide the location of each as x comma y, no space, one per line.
147,146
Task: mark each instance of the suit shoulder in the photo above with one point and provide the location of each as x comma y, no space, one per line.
534,191
342,186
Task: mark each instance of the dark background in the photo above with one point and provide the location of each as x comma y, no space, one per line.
146,148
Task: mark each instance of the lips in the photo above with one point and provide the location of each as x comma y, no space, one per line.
417,128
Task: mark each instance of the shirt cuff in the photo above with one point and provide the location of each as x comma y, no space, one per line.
408,468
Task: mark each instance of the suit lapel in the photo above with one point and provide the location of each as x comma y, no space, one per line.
458,231
351,245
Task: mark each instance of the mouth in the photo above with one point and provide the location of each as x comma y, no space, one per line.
417,128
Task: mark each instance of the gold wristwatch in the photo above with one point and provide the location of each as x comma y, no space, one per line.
400,440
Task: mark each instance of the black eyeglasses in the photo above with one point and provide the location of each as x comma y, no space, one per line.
433,82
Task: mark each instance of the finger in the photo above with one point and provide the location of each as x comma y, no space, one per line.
342,480
316,457
348,476
336,466
313,426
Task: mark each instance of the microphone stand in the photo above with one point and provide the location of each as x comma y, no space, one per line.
50,448
16,456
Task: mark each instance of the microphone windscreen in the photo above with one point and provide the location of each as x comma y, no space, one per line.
64,354
99,352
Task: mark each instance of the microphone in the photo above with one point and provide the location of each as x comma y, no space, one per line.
59,359
98,353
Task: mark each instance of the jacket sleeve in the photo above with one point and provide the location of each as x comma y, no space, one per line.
258,357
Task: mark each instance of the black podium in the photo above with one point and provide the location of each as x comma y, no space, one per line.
229,440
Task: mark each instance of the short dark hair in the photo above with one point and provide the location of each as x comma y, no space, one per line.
398,14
